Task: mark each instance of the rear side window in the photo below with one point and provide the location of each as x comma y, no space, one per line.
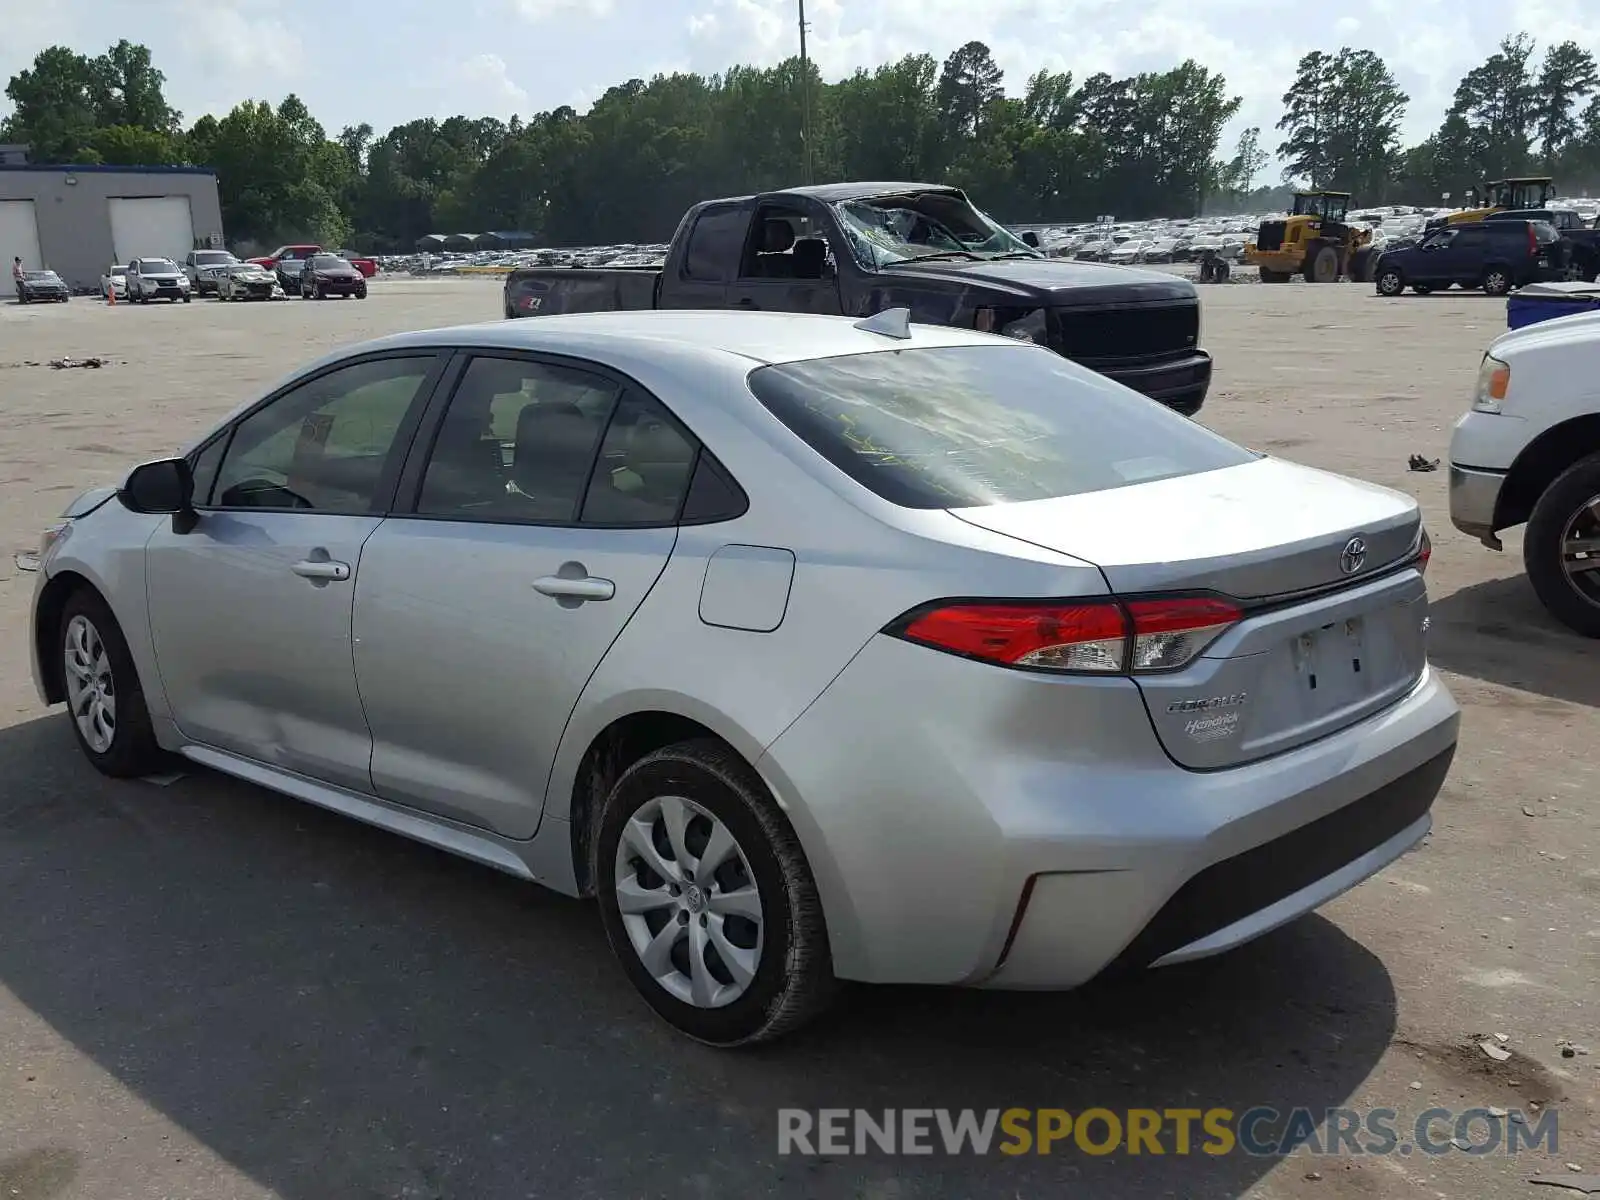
1546,232
967,426
715,243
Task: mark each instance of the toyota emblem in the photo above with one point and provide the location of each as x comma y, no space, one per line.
1354,556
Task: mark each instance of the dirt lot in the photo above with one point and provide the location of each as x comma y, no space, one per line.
209,993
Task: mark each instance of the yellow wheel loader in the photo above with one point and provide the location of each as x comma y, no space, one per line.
1500,195
1313,240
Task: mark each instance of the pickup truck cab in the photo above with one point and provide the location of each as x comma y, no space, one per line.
1582,240
1528,452
1493,255
859,248
287,262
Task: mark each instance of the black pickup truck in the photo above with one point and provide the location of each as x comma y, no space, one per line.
1581,241
858,248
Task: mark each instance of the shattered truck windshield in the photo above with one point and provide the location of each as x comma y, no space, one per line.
892,229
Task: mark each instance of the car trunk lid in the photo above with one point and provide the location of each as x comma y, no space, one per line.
1334,624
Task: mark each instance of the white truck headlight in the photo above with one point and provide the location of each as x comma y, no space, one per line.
1494,381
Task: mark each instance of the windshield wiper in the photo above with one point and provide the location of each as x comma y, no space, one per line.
967,254
1014,254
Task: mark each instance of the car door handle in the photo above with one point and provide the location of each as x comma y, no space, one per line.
321,569
587,588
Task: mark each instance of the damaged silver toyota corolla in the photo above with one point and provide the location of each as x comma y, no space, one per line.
814,649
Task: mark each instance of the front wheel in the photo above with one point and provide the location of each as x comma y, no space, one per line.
707,899
1561,548
187,297
104,697
1390,282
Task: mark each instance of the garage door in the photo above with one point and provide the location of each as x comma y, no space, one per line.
151,227
19,235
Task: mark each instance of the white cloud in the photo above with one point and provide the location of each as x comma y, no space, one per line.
546,10
481,84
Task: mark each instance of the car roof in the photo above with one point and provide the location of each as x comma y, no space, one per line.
759,337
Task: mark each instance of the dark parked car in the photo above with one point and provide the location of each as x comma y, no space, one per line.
42,287
859,248
1493,255
327,275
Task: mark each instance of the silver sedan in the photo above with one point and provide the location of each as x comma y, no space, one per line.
815,649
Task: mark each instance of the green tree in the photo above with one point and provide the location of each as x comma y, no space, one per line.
54,107
1499,101
1567,77
1305,121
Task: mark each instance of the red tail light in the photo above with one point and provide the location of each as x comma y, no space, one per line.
1101,637
1424,552
1533,241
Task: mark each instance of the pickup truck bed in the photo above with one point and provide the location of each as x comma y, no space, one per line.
816,250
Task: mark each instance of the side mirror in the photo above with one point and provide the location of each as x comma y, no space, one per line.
164,486
1031,238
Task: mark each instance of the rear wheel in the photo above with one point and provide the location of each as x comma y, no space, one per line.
707,899
1496,281
1561,548
1390,282
104,698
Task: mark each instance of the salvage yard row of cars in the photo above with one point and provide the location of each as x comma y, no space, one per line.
315,275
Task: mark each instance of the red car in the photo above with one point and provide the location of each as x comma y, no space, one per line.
286,262
367,266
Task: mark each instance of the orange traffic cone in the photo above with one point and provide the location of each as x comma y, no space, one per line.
111,295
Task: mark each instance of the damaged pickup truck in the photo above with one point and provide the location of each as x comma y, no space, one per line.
859,248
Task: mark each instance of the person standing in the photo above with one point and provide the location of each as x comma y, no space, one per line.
16,275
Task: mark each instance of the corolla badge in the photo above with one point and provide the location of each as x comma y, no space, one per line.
1354,555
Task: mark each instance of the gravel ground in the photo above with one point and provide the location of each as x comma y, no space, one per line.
210,993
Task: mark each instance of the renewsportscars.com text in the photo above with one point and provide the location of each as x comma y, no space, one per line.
1264,1131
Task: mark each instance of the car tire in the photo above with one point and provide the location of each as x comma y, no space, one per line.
187,298
1496,281
1558,513
784,976
105,702
1389,282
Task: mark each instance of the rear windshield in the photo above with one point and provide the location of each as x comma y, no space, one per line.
967,426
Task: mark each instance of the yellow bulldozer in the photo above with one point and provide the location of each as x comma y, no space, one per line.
1501,195
1313,240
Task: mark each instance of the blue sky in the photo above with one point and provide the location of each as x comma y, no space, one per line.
387,61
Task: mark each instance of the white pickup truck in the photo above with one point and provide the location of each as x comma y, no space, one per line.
1528,452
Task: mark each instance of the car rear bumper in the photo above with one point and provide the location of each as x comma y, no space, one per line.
1180,384
1024,832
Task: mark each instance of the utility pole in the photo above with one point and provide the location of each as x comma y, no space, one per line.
805,92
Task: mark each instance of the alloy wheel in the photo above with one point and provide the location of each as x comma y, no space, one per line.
91,690
689,902
1580,550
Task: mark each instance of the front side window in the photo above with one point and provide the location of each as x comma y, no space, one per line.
322,445
964,426
517,443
